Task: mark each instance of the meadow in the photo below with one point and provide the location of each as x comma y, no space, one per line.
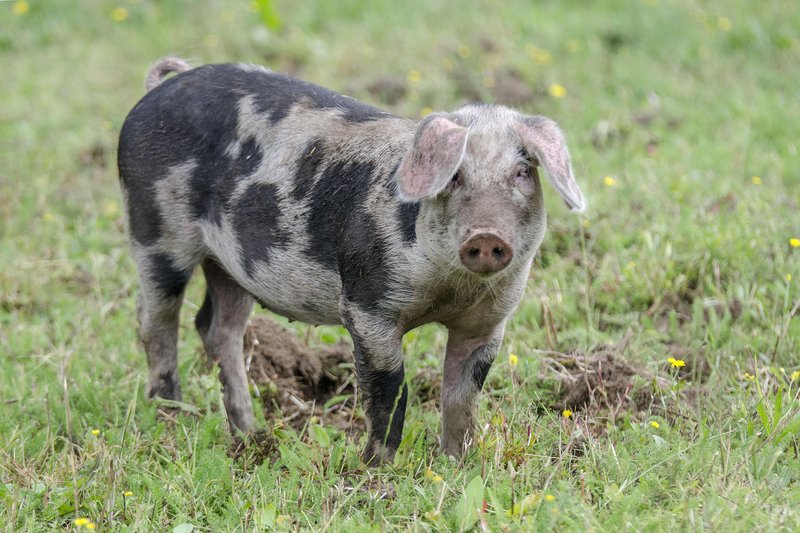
649,381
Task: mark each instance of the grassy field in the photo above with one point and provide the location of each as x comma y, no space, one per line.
683,117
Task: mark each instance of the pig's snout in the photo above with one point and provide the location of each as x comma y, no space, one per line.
485,253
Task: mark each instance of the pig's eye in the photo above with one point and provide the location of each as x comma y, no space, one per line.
522,178
523,173
457,179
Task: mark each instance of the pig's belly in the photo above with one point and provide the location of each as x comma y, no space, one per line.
294,287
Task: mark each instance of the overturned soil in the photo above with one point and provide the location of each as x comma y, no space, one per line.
602,385
297,382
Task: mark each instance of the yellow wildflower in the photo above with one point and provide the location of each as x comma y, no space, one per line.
414,77
566,413
609,181
756,180
655,425
513,360
794,242
111,209
789,278
20,8
557,90
549,498
676,363
95,432
433,476
748,376
119,14
84,522
425,111
573,46
127,494
48,217
724,23
540,56
795,375
464,51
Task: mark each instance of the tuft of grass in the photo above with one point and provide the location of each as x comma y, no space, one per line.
672,108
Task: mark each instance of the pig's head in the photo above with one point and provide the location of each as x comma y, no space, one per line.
474,172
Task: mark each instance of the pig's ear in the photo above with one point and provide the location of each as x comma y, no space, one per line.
432,160
544,141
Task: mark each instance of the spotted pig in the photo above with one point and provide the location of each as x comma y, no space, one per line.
330,211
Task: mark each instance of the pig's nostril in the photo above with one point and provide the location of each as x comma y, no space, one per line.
474,252
498,252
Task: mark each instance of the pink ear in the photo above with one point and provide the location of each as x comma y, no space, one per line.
433,159
543,140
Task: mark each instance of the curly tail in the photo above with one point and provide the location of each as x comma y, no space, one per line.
159,71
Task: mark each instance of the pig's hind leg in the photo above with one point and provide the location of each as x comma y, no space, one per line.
221,322
162,283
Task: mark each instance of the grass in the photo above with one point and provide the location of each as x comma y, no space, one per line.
682,104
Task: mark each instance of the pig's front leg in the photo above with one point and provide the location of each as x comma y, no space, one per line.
467,361
381,380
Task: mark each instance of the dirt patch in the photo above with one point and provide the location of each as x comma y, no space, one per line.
603,385
297,382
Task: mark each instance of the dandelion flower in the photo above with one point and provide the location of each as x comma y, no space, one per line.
794,242
513,360
464,51
676,363
549,498
789,278
20,8
425,111
119,14
795,375
414,77
609,181
127,494
724,23
756,180
84,522
748,376
95,432
655,425
566,413
557,90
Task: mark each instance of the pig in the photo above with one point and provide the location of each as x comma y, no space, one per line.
329,211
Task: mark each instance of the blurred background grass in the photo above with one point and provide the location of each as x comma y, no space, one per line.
683,118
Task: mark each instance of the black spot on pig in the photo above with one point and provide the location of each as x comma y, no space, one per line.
407,217
170,280
276,94
256,220
339,193
363,262
143,213
480,370
308,165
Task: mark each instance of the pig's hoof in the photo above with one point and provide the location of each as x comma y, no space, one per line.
376,454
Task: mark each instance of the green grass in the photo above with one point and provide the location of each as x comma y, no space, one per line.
681,102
